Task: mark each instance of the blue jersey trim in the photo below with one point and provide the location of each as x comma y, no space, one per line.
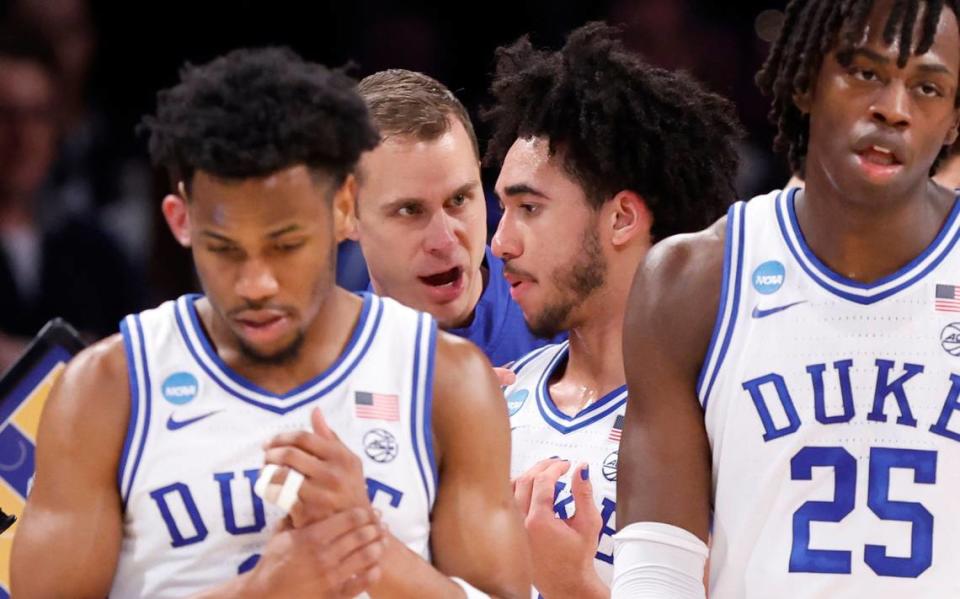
870,293
428,403
416,421
741,225
414,418
134,407
567,424
318,387
147,406
530,356
722,307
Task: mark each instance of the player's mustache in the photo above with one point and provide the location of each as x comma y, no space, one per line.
256,306
509,269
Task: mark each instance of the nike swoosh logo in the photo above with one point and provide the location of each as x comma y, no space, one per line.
173,425
758,313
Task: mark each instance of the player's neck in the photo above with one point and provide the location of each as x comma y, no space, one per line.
866,241
324,341
594,364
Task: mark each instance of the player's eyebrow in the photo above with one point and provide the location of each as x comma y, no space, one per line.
523,189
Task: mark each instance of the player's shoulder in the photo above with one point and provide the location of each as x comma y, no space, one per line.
91,399
686,263
97,374
459,354
675,296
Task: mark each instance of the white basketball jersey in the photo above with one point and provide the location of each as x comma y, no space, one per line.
193,447
541,431
833,415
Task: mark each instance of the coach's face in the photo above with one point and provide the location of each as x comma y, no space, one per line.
548,237
264,251
421,223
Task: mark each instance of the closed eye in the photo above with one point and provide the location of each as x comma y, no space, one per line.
290,246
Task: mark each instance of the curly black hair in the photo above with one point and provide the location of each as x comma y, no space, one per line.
813,28
253,112
620,124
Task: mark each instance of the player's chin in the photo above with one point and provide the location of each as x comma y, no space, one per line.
273,351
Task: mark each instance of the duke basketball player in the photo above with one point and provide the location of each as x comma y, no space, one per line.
166,423
818,412
577,222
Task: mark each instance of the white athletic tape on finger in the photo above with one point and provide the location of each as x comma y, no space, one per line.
263,481
291,486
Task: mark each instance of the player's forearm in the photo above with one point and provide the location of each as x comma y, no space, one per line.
407,575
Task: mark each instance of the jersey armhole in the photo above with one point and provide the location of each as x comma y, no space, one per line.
137,426
421,421
729,302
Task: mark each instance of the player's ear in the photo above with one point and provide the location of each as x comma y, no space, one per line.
630,218
174,207
344,210
951,137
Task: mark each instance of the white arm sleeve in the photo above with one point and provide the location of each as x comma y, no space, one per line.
652,560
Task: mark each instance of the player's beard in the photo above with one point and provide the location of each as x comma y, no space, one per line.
575,283
284,355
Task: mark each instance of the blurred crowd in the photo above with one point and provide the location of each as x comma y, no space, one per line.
79,233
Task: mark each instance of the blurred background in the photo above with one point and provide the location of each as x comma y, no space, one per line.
80,228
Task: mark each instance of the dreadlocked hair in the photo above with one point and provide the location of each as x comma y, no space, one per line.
619,124
811,28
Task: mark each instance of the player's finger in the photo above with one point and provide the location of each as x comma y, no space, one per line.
350,553
361,582
324,448
586,520
505,376
523,484
319,424
544,489
305,463
363,557
339,524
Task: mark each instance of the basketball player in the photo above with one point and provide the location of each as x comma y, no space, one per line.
794,366
604,177
421,215
152,440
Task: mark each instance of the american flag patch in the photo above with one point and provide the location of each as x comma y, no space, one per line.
947,298
617,429
377,406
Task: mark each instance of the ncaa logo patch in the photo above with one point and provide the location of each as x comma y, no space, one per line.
180,388
610,467
380,446
950,338
768,277
515,400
